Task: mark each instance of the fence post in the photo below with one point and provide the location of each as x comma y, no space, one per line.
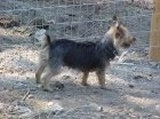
154,53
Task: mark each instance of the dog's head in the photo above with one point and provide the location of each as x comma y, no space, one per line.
120,34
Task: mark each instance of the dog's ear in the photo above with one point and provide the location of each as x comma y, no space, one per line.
115,18
117,24
116,21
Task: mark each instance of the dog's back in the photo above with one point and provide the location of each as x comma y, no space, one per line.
76,55
80,55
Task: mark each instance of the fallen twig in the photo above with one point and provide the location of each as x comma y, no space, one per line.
26,95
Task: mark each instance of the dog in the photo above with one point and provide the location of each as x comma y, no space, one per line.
83,56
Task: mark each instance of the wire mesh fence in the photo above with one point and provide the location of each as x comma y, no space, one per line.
78,19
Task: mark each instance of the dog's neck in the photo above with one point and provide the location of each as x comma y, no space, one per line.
110,37
108,47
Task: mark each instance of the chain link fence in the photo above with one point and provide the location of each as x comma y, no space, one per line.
77,19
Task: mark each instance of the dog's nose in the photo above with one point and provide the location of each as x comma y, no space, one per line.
134,39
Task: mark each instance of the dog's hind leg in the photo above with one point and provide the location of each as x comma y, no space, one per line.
40,71
51,70
101,78
46,81
84,78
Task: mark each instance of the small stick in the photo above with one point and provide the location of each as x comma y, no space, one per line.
122,56
26,95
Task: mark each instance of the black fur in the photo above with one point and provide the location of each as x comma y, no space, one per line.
84,56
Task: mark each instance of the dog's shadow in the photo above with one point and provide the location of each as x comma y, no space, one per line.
71,88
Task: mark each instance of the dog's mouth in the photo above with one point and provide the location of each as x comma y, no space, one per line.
126,45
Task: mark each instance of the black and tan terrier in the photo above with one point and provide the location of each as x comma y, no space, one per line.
83,56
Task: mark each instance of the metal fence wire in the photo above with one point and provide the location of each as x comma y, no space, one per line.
78,19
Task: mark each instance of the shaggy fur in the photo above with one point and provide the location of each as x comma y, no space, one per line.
83,56
72,54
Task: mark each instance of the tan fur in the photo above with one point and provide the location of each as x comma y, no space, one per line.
120,35
43,59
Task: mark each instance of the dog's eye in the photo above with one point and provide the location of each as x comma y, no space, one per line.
118,35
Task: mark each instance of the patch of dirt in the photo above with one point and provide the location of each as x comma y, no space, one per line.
133,85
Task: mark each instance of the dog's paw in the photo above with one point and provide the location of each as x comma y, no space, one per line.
37,79
57,85
47,89
103,87
84,84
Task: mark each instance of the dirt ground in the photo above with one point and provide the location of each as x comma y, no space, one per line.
133,83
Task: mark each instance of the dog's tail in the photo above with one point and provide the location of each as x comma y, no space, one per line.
47,40
43,37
